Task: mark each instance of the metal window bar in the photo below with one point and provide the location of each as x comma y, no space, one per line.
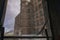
43,28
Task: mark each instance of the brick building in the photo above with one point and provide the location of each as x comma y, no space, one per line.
32,17
21,21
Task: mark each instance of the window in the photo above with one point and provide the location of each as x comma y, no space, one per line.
40,5
17,33
28,10
41,18
36,8
24,20
37,23
33,23
39,0
42,23
41,13
35,3
36,15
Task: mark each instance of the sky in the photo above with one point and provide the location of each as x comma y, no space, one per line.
13,9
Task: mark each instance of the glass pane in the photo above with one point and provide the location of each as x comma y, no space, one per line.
24,17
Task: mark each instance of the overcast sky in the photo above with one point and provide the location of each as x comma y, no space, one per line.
13,8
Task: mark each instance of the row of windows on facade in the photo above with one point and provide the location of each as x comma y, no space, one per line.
40,13
36,1
38,7
37,23
36,15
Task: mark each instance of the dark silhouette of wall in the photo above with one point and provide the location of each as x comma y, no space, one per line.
3,4
54,14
